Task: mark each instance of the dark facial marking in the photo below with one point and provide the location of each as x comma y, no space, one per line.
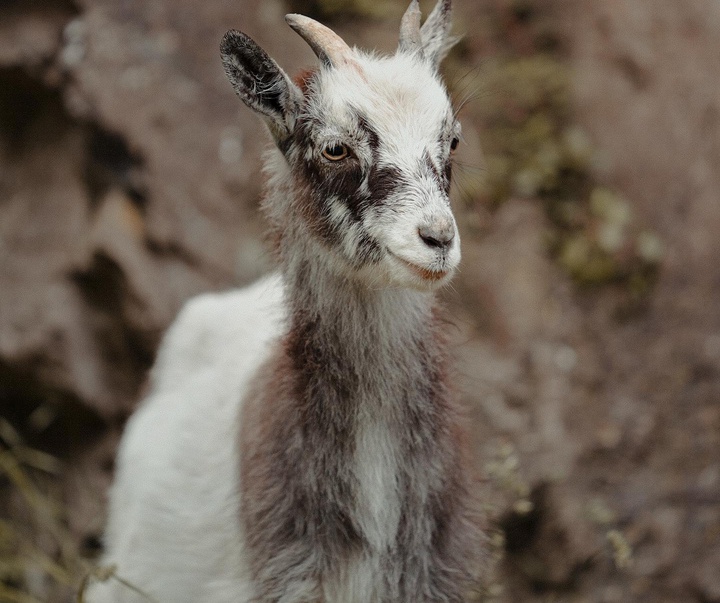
322,182
372,135
441,177
448,175
384,181
430,165
368,250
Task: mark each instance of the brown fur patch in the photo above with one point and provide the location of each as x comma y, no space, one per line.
298,484
303,78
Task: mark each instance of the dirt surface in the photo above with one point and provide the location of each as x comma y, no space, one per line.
129,181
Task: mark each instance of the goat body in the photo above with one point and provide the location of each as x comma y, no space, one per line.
300,442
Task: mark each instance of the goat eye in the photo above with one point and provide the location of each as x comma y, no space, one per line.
454,143
335,152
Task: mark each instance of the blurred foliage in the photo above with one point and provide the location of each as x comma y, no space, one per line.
39,559
523,117
532,149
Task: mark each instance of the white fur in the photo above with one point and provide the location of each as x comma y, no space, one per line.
179,456
376,470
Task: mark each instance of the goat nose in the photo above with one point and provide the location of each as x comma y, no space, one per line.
438,233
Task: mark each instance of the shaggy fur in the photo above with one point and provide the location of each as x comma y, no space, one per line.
300,443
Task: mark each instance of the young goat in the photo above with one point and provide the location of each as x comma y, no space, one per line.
300,443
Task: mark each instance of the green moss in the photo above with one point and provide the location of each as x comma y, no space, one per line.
529,151
532,150
585,261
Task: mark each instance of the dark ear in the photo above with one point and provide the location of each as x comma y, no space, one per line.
435,33
260,83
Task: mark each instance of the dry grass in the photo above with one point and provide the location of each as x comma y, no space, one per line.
39,558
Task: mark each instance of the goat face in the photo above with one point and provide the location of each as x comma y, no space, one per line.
369,143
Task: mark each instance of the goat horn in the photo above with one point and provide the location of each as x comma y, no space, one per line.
410,40
329,47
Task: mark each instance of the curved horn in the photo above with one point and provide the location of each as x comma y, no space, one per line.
329,47
410,40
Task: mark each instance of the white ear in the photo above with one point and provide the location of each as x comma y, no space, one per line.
435,33
410,40
260,83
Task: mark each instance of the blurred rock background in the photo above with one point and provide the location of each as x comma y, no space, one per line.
586,315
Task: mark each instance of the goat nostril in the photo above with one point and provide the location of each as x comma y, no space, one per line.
439,238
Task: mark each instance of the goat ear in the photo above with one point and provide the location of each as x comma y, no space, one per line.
260,83
435,33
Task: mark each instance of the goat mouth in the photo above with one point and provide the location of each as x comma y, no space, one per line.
424,273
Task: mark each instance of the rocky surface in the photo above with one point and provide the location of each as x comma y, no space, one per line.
129,182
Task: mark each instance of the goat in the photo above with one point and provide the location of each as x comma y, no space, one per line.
300,442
